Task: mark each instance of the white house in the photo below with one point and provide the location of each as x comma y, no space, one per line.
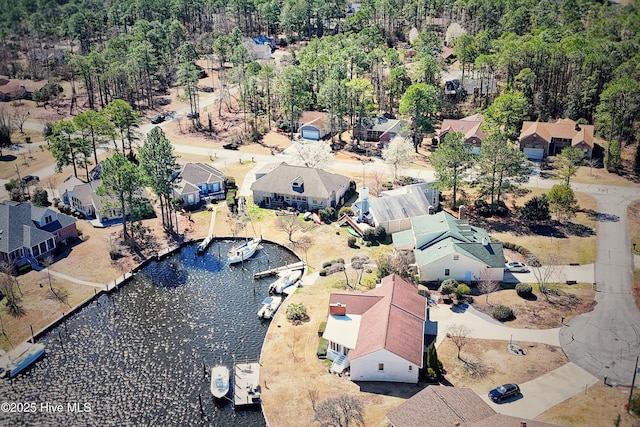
445,247
380,333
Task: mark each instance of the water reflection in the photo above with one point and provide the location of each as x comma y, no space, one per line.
139,356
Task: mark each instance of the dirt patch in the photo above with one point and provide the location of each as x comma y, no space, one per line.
537,312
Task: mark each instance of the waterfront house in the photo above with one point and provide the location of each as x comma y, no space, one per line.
300,187
32,232
445,247
198,182
541,139
379,334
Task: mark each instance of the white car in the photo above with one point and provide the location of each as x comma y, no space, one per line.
516,267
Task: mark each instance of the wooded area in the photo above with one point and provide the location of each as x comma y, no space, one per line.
577,58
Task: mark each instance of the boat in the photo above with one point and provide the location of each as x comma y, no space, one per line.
202,246
219,381
20,358
285,279
269,307
244,251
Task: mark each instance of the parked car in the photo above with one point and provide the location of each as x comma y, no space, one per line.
158,118
28,179
230,146
516,267
504,391
193,115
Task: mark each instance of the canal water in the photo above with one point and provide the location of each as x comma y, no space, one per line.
141,355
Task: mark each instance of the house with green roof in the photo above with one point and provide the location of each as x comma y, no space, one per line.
445,247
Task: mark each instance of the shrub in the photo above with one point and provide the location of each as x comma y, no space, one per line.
327,264
345,210
339,260
380,233
448,287
462,290
322,328
328,215
322,272
502,313
524,289
369,235
351,241
432,377
323,345
296,312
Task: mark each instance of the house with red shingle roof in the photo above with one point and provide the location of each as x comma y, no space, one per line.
468,126
380,334
541,139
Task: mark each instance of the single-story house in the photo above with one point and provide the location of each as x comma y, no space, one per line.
442,406
11,89
380,334
301,187
468,126
445,247
395,208
197,182
540,139
31,232
380,129
314,125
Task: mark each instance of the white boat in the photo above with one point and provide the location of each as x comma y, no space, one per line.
269,307
219,381
20,358
285,279
202,246
244,251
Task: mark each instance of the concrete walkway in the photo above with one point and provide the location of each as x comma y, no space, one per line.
75,280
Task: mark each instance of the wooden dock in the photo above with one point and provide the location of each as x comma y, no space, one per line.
295,266
246,384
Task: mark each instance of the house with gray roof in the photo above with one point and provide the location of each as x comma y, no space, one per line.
442,406
380,129
378,334
300,187
395,208
31,232
198,182
82,196
445,247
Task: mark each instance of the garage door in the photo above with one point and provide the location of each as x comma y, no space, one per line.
533,153
309,133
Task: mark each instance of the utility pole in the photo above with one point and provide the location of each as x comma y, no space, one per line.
633,383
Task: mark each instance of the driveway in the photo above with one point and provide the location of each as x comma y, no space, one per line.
579,273
545,392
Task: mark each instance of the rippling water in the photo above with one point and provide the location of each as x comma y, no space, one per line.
138,356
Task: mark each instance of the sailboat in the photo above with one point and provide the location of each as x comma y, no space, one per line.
244,251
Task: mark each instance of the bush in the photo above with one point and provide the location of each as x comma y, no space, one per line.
380,233
369,235
351,241
323,345
448,287
296,312
322,272
524,289
502,313
322,328
328,215
345,210
462,290
327,264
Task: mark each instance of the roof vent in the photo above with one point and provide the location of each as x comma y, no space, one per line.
485,241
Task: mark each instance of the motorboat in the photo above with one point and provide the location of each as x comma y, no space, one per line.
219,381
285,279
20,358
269,307
244,251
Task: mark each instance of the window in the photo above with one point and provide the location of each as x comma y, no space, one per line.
380,366
410,368
456,257
48,219
446,271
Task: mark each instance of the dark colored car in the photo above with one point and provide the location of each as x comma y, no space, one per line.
504,391
28,179
230,146
158,118
193,115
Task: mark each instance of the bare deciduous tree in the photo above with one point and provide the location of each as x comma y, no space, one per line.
289,225
316,154
375,183
341,411
459,335
304,243
486,285
19,118
8,286
547,274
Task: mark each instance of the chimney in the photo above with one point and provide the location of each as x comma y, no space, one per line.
337,309
364,198
523,424
462,212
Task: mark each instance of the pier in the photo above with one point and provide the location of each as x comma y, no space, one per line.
272,271
246,384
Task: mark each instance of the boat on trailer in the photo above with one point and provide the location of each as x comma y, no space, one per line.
20,358
219,381
269,307
285,279
244,251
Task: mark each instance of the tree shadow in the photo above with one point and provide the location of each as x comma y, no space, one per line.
601,217
549,230
7,158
